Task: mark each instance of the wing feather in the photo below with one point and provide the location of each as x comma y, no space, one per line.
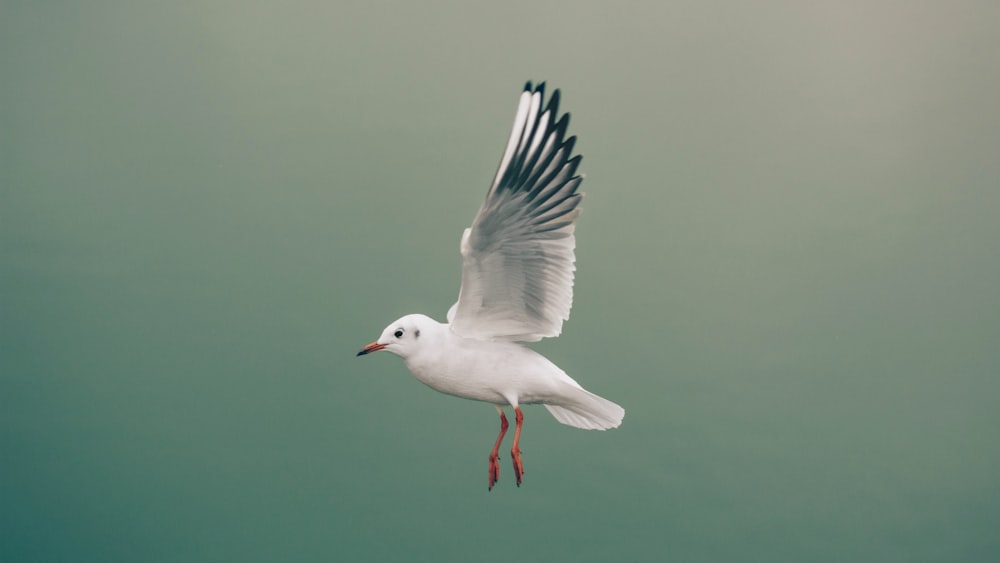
518,255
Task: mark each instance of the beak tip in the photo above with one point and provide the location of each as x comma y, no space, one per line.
373,347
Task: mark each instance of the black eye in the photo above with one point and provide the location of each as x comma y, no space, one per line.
399,334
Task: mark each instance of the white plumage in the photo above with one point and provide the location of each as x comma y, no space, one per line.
517,257
517,286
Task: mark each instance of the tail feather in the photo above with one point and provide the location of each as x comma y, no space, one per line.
583,409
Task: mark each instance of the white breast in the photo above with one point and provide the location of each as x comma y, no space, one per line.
495,372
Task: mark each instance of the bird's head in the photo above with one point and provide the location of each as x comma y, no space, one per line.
404,336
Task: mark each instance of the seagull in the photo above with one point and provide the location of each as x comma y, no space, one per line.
517,286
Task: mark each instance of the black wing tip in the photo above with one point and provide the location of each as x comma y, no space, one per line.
519,170
564,122
539,88
553,102
569,145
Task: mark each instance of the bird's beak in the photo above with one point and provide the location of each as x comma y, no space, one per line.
373,347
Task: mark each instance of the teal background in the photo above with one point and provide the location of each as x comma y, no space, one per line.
788,276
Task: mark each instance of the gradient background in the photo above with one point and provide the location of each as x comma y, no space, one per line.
788,275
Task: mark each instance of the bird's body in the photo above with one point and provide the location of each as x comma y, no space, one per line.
517,286
468,368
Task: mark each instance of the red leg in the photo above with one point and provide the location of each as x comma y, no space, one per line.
494,465
515,451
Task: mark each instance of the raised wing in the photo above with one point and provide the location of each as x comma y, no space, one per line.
517,257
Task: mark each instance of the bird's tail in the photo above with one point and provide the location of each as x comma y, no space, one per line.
583,409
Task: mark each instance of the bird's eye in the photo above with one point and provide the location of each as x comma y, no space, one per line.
399,334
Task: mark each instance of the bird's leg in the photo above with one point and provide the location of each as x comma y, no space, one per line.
515,450
494,464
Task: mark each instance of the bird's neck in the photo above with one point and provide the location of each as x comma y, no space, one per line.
436,345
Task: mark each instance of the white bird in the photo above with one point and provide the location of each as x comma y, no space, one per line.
517,286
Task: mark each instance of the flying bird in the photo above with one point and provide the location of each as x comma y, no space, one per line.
517,286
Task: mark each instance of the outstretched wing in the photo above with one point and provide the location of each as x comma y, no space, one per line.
517,257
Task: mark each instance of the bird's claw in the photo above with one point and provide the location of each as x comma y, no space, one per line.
515,455
494,471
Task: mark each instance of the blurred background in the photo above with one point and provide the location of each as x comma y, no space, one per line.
787,275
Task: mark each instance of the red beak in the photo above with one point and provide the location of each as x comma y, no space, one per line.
373,347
